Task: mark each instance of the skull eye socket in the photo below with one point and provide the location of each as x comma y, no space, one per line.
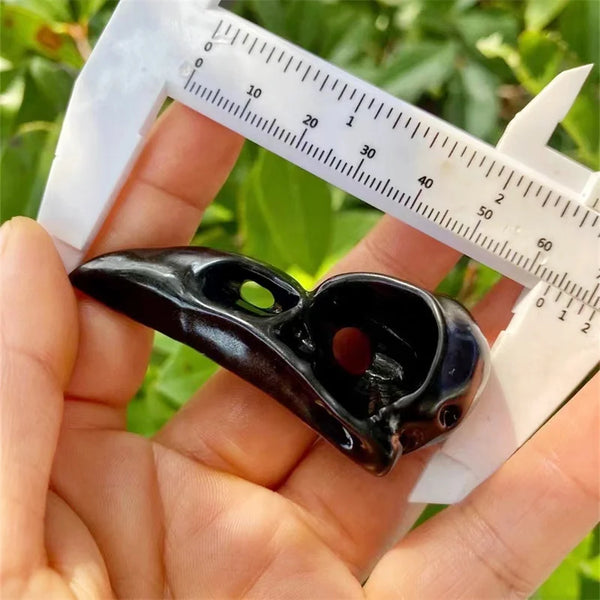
352,350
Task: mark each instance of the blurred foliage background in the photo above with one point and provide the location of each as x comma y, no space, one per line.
475,63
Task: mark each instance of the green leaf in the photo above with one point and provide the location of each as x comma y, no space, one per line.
349,227
538,13
472,102
590,567
291,207
477,24
579,25
148,412
50,10
565,582
24,165
24,30
12,86
88,8
419,67
453,282
182,374
53,83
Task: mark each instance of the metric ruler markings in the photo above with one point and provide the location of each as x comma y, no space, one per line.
474,155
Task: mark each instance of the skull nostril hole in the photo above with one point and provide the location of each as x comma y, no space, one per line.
410,439
449,416
352,350
257,295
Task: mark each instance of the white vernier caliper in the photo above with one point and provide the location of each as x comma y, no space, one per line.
521,208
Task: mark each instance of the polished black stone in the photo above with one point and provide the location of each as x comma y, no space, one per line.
375,365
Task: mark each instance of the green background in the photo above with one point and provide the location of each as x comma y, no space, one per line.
474,63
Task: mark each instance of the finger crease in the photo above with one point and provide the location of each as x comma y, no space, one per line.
187,202
506,572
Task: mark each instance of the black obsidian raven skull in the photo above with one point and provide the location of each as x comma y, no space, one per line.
424,354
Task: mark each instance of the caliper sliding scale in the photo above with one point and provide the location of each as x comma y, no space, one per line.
521,208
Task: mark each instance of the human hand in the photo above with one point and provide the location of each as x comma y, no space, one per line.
236,497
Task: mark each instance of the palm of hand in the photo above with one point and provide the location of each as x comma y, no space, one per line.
235,497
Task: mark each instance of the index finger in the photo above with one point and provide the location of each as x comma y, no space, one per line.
184,163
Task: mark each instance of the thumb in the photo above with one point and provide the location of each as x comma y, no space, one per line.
38,341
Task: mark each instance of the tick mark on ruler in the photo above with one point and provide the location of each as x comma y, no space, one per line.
252,46
235,37
389,113
359,103
433,141
281,56
324,82
453,148
471,160
263,47
482,161
528,187
289,62
334,84
475,229
463,152
317,74
407,122
426,132
342,92
360,164
396,121
189,79
378,111
298,65
547,198
490,169
508,180
306,73
370,103
217,29
301,138
416,129
562,214
270,54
